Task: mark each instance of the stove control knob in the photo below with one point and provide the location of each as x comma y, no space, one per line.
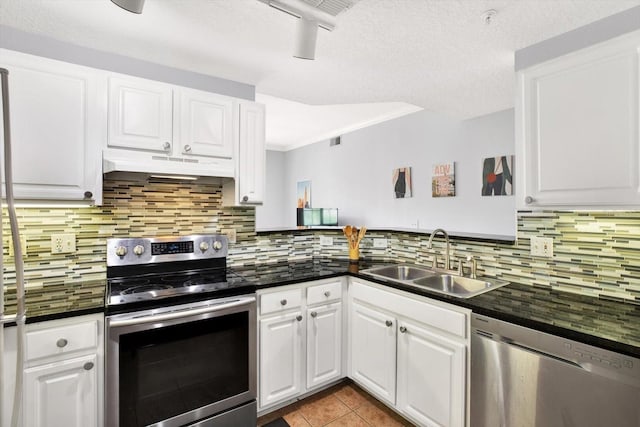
204,246
138,250
121,251
217,245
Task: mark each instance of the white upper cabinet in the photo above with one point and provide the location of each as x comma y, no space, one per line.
177,121
140,114
248,186
577,129
58,125
250,176
206,124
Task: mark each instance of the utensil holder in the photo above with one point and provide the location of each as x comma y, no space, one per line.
354,254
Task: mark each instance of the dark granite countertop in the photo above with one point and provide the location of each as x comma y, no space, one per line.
612,325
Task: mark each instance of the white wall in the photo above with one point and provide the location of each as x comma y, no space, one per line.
356,176
271,213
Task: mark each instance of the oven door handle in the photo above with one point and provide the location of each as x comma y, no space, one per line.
184,312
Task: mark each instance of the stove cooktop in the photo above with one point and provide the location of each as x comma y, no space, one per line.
153,272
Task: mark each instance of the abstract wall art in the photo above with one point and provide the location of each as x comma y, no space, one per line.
402,183
497,176
443,183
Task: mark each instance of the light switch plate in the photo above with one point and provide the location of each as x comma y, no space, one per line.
542,246
231,235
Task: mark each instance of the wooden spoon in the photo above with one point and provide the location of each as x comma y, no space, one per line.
347,232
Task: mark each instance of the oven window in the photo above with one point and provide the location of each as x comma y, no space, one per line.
168,371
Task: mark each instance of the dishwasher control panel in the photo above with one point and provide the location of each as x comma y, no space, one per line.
596,356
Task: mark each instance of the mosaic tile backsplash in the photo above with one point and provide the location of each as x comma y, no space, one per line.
595,253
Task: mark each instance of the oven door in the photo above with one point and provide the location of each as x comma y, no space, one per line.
180,364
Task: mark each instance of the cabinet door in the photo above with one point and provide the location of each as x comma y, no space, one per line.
373,351
56,128
250,177
431,377
324,344
140,114
281,357
62,394
206,124
577,125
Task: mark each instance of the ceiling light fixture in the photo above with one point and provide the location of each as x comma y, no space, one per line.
309,19
134,6
305,43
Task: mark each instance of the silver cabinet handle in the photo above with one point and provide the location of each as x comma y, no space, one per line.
88,366
299,318
314,314
166,146
403,329
187,148
283,302
62,342
528,200
327,294
388,323
245,199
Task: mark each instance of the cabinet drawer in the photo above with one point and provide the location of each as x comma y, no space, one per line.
280,301
61,340
325,292
428,312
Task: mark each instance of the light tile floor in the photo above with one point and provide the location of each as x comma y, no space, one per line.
343,405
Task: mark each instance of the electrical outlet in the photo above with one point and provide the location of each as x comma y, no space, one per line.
23,246
326,241
63,243
542,246
231,235
380,243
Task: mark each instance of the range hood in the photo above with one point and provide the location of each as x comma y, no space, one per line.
159,165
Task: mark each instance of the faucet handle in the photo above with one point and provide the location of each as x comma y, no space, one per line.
474,266
460,267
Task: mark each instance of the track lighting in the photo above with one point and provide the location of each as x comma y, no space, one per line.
309,19
305,43
134,6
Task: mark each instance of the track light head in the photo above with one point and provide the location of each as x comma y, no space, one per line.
305,43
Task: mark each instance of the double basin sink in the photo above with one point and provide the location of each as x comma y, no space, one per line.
446,283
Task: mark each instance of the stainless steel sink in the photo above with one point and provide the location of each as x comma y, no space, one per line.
463,287
400,272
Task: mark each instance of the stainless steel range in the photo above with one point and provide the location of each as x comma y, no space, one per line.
181,335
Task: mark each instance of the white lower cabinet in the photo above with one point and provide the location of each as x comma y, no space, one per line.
430,376
300,339
324,344
373,351
410,352
64,373
281,350
62,393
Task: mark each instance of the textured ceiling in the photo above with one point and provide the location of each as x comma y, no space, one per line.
436,54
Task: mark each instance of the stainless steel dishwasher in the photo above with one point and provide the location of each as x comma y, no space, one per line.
525,378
